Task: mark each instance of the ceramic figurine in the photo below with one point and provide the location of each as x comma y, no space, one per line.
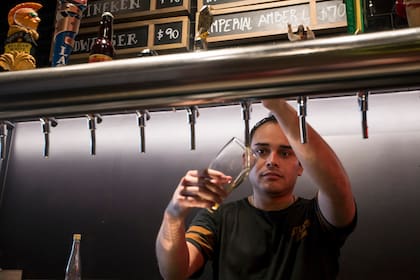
21,39
301,33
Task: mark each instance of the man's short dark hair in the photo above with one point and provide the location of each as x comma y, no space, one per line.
270,118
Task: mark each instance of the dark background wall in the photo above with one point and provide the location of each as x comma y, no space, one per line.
47,15
116,199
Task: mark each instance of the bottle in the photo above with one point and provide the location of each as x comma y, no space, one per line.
74,268
103,48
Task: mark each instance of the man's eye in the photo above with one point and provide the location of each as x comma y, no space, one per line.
284,154
260,152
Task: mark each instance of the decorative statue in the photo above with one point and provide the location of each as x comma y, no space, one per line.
68,16
21,39
301,33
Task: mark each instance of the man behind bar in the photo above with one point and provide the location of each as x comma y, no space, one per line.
272,234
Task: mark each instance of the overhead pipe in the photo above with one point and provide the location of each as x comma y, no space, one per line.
323,67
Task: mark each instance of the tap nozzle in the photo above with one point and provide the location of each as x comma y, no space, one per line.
246,115
362,99
142,117
93,120
4,128
193,114
301,100
46,124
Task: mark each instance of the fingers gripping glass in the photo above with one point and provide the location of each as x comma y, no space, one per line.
234,160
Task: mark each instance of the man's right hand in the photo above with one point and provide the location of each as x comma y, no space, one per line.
198,190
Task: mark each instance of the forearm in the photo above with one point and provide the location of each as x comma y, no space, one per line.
316,156
321,164
171,248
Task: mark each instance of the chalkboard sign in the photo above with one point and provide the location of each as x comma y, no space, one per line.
221,4
95,8
131,38
135,9
272,18
124,38
171,33
161,4
168,33
128,38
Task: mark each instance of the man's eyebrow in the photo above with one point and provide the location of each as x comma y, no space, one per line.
288,147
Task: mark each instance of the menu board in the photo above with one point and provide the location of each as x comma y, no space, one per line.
131,38
134,9
272,18
222,4
171,34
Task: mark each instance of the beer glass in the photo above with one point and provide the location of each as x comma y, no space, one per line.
234,160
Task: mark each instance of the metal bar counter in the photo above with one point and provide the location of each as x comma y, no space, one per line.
322,67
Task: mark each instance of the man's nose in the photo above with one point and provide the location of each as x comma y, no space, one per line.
272,160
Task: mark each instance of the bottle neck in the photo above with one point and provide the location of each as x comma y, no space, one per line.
105,30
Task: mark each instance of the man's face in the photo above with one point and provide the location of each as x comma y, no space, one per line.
277,167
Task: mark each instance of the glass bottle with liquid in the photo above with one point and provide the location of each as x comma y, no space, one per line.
74,264
103,47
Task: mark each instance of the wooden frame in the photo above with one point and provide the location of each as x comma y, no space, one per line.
313,21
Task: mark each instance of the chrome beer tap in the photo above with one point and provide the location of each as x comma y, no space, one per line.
4,128
93,119
193,114
46,124
246,115
301,101
362,99
142,117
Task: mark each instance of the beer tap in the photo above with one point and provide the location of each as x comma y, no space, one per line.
301,101
142,117
193,114
362,98
93,119
4,127
46,124
205,20
246,115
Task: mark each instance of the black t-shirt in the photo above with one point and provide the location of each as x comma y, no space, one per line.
244,242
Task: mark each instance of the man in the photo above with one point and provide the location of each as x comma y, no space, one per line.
271,234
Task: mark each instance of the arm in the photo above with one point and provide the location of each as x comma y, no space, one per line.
335,197
178,259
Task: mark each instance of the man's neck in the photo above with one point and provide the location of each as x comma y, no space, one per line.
271,204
